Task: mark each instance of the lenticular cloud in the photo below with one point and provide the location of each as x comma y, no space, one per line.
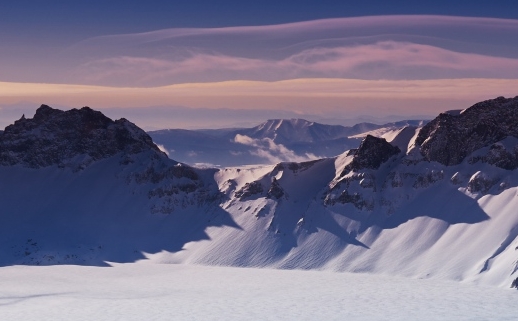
384,47
383,60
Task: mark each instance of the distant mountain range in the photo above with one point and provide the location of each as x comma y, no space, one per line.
268,143
437,201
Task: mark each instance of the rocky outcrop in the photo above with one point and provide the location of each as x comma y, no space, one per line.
357,189
499,156
353,198
54,137
249,189
428,178
275,190
449,138
373,152
300,167
481,183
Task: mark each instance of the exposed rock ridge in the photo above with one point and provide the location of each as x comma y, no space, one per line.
54,136
450,137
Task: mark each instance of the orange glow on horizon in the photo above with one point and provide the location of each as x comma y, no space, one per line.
424,96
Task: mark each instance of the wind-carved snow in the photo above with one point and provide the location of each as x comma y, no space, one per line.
382,208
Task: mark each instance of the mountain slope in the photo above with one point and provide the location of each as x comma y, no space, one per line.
400,214
79,188
380,208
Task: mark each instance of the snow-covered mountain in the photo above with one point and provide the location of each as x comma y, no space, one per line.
273,141
436,202
288,131
79,188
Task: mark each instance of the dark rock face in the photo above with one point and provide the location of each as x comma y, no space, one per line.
353,198
154,176
449,138
428,178
499,156
249,189
275,190
54,136
481,183
347,191
300,167
373,152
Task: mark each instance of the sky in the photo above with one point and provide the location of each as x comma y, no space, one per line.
179,64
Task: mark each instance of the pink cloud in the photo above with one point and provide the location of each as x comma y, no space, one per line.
395,60
380,47
382,60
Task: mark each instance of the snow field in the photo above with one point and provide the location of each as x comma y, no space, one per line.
142,291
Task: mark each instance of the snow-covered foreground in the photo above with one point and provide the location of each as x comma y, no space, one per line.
185,292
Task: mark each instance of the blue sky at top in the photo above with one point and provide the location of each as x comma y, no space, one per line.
63,21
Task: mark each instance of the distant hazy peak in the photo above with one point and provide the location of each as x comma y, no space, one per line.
287,131
296,122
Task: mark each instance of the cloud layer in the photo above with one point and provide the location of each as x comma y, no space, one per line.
274,153
380,47
381,60
390,47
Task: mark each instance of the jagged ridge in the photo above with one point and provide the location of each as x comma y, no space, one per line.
449,138
54,136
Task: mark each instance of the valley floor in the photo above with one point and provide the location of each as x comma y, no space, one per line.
144,291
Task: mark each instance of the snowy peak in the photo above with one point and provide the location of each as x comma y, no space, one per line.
56,137
450,137
275,124
402,137
285,131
